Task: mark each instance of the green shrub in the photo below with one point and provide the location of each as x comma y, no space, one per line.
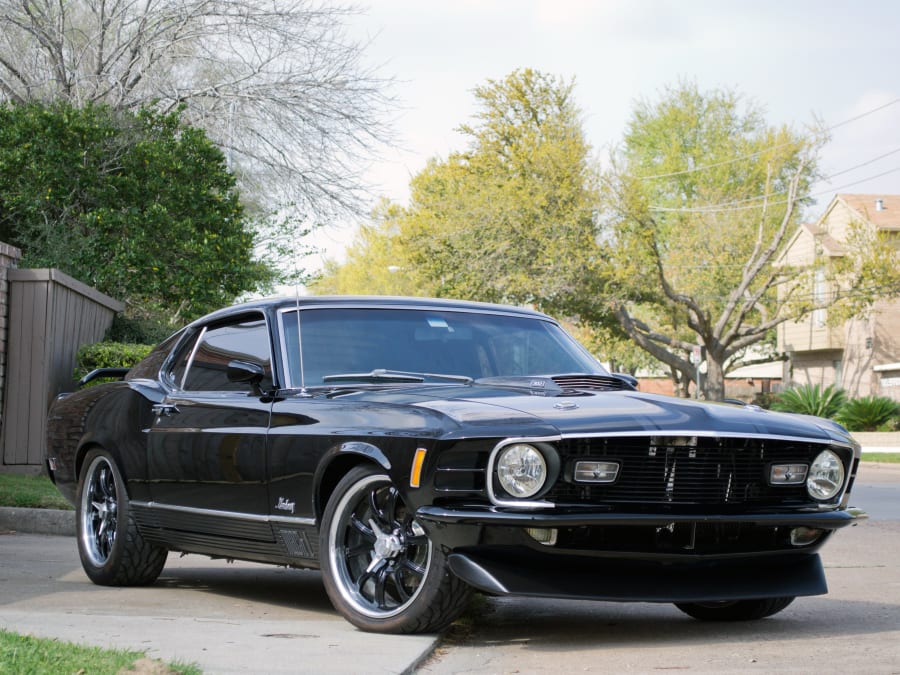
108,355
811,400
870,413
137,331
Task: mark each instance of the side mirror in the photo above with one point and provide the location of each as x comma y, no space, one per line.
250,373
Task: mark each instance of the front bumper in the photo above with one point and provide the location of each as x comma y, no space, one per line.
526,573
488,516
636,556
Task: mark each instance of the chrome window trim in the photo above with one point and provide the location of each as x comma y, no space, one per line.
430,307
190,361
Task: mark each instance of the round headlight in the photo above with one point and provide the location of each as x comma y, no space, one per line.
521,470
826,476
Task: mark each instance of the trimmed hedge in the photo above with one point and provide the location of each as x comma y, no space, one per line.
108,355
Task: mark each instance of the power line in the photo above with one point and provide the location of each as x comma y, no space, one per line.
719,208
773,147
859,166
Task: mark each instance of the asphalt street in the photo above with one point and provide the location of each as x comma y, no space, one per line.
853,629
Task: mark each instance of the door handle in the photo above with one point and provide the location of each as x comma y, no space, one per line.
164,410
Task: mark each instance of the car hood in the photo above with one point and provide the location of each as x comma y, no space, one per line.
599,412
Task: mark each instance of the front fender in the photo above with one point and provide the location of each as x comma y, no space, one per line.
335,464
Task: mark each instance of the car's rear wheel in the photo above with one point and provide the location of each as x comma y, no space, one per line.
734,610
112,550
380,569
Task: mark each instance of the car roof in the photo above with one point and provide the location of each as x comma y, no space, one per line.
369,301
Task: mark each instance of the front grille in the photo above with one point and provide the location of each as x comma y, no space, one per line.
674,472
699,471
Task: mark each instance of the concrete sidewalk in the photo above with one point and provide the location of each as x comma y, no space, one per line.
226,618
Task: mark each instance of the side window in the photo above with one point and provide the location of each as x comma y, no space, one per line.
203,365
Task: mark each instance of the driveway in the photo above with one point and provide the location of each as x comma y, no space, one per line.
225,617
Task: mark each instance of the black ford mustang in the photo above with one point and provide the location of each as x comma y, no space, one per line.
415,449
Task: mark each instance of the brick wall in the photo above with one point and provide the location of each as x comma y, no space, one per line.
9,257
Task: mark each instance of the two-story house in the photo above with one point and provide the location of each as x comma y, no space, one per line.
861,355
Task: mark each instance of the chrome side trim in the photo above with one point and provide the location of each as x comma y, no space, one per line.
281,520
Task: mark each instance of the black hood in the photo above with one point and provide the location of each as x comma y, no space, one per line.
598,412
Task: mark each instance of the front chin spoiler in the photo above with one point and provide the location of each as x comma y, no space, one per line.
621,581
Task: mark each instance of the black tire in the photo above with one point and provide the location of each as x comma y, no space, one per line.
380,570
112,550
734,610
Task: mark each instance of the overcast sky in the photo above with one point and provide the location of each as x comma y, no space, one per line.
801,59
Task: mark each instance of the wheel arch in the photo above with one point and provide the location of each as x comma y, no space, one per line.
337,462
90,443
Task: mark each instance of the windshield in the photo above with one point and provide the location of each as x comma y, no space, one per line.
339,342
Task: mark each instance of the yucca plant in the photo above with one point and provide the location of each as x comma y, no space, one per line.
811,399
868,413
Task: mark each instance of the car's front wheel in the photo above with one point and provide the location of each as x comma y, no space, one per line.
734,610
380,569
112,550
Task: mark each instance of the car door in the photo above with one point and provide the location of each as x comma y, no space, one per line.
207,444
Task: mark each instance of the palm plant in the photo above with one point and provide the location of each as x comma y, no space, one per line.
868,413
811,399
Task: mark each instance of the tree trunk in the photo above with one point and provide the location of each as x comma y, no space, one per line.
714,388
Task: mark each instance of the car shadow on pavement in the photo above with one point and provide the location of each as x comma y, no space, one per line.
272,586
563,625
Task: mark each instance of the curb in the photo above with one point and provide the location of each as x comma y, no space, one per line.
37,521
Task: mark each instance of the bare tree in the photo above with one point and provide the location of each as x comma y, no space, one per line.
276,83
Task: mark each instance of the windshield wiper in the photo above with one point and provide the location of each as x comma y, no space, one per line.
385,375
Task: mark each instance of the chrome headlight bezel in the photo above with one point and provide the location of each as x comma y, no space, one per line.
548,463
827,476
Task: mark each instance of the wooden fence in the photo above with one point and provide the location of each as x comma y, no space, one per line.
51,315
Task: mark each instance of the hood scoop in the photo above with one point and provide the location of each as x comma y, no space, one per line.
593,382
561,385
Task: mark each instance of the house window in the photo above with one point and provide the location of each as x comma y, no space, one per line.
838,373
819,297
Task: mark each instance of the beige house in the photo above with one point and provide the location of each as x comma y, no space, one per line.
862,356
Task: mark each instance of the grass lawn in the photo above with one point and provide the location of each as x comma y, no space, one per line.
884,457
38,656
33,492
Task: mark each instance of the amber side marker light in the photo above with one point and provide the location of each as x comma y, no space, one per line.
415,474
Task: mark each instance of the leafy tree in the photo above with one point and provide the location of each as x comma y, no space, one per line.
700,200
510,219
376,264
278,85
140,206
